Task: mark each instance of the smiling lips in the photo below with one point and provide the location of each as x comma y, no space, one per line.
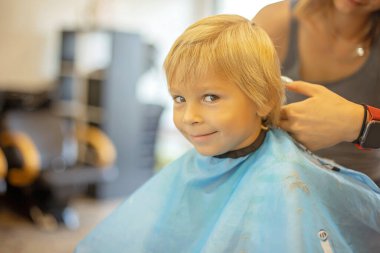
201,137
358,2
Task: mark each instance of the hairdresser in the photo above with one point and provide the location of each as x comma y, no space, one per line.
333,46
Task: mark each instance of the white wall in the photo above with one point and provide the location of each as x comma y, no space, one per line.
29,31
246,8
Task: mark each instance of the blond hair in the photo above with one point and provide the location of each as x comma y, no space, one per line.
234,48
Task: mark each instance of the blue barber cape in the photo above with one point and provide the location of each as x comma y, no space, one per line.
277,199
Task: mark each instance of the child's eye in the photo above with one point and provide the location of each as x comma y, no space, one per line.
179,99
210,98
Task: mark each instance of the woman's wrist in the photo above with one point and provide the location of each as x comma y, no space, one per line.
355,124
364,121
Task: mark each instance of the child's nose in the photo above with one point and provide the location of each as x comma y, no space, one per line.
192,114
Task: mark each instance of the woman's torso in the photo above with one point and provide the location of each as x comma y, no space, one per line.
361,85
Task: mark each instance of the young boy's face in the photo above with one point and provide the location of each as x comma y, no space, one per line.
215,116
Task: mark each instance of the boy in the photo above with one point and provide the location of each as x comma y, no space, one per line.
246,187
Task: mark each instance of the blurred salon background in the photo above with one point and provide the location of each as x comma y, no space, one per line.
84,110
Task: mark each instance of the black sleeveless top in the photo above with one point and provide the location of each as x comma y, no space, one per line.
362,86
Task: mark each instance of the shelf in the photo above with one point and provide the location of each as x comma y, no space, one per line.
71,109
95,115
67,68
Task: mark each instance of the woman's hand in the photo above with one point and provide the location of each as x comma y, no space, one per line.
322,120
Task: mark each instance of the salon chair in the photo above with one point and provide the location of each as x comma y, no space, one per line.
46,160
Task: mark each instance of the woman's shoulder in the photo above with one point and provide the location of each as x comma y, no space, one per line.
275,20
274,17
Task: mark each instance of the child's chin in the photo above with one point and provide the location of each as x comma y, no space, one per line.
208,152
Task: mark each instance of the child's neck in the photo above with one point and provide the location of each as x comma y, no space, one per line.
246,150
